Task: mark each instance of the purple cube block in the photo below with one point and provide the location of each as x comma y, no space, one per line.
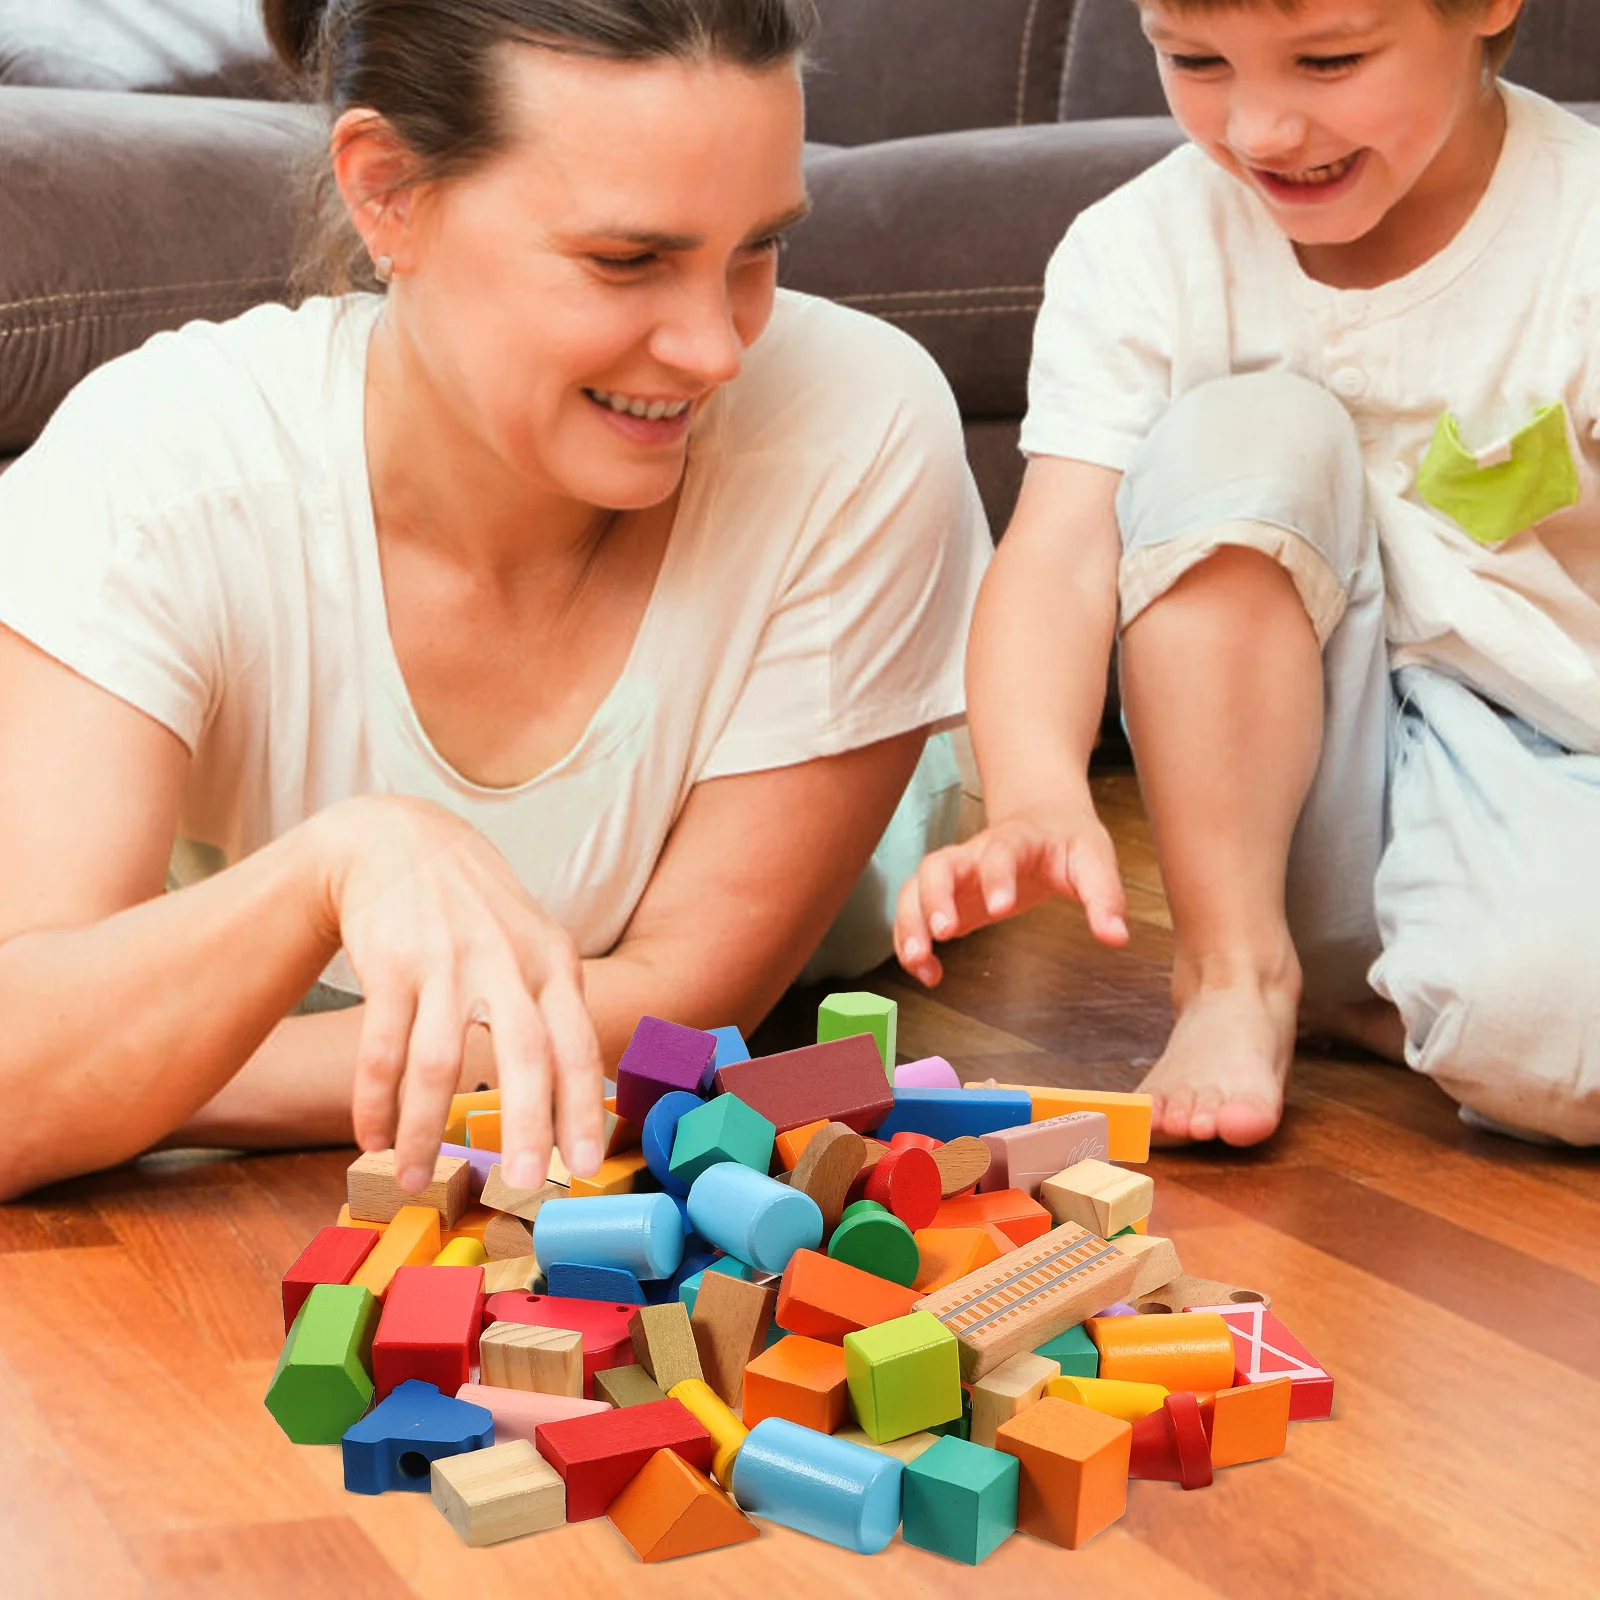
478,1164
661,1056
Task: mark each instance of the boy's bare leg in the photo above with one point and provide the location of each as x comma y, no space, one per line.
1222,688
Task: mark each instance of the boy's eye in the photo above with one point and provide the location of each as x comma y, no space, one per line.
1331,63
1194,63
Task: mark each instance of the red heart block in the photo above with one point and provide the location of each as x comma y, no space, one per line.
1171,1444
906,1182
603,1324
596,1456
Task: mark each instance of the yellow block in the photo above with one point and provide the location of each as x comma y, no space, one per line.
614,1177
727,1432
463,1252
483,1130
1127,1115
410,1240
469,1225
1112,1397
347,1221
455,1128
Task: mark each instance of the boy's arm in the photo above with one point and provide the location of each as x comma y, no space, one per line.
1036,676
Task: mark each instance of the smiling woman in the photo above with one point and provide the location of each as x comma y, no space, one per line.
532,629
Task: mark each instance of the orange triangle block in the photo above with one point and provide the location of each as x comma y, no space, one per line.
670,1509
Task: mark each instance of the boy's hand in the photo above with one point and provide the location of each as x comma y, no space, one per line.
1009,867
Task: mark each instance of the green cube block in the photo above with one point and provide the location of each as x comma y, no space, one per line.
903,1375
959,1500
841,1015
323,1382
724,1129
1075,1350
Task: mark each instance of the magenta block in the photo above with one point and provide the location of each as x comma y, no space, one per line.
932,1072
660,1057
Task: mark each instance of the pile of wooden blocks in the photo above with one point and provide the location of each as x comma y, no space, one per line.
815,1287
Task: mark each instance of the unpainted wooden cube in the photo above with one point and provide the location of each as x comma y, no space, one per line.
499,1493
1098,1196
520,1355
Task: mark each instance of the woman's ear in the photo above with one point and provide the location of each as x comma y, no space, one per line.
374,172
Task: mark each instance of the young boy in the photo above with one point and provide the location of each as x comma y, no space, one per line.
1312,430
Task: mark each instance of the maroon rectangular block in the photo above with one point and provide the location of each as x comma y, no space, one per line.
596,1456
660,1056
429,1329
840,1081
332,1257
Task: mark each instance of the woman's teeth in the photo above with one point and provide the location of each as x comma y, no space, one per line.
651,410
1330,172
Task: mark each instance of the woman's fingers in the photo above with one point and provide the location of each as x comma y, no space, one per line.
579,1072
381,1063
432,1066
522,1055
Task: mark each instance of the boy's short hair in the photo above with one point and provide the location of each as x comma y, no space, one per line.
1495,49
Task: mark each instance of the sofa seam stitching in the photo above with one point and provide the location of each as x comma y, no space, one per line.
1068,58
131,293
127,314
1022,61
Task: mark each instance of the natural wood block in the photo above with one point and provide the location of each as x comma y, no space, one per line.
1031,1295
1127,1115
1098,1196
498,1195
410,1240
604,1325
1190,1350
1248,1423
946,1254
499,1493
663,1341
961,1163
1013,1386
615,1175
1157,1258
514,1272
730,1322
827,1167
791,1146
905,1449
461,1105
803,1380
1184,1293
1074,1469
507,1238
630,1385
826,1299
671,1509
375,1195
519,1355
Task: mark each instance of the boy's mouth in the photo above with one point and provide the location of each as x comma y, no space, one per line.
1310,184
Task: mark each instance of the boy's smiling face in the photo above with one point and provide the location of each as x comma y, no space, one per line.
1337,113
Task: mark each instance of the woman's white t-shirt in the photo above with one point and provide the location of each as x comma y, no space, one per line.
194,533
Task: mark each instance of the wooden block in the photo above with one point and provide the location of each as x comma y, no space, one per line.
615,1175
1029,1296
1265,1349
841,1015
1023,1157
802,1380
469,1225
946,1254
906,1449
826,1168
1188,1350
661,1056
498,1195
347,1221
604,1326
1189,1294
507,1238
1019,1217
949,1113
1112,1397
410,1240
728,1433
627,1386
1074,1470
516,1272
619,1134
597,1455
1170,1444
578,1281
518,1413
875,1240
1075,1350
322,1384
518,1355
499,1493
1127,1115
791,1146
483,1130
375,1195
391,1447
1248,1423
1157,1258
731,1319
429,1328
462,1251
907,1183
332,1257
478,1164
1013,1386
961,1163
826,1299
671,1509
960,1500
1098,1196
461,1105
663,1341
723,1129
903,1376
841,1081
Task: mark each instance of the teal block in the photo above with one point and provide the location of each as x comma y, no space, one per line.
1075,1350
689,1289
323,1380
903,1375
841,1015
724,1129
959,1500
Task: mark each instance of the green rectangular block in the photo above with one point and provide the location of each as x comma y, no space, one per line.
959,1500
724,1129
841,1015
1075,1350
323,1381
903,1375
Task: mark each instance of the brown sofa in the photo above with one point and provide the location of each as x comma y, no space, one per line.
148,158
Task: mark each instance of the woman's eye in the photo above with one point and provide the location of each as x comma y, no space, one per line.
1331,63
1194,63
624,263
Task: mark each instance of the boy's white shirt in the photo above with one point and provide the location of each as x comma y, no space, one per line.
194,533
1180,277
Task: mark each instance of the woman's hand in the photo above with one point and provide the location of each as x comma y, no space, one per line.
1010,867
443,937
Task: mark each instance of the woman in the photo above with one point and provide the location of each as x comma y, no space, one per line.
540,642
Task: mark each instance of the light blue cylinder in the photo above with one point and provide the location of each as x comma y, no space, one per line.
827,1487
751,1216
641,1233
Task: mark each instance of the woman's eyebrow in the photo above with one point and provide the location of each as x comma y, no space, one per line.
649,239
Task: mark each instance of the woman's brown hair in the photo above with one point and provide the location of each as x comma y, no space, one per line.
428,68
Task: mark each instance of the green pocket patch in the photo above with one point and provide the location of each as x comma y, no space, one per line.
1494,494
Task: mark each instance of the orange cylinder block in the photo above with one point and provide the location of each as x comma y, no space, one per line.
1187,1350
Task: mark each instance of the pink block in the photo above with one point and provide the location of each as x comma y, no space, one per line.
1023,1157
932,1072
517,1412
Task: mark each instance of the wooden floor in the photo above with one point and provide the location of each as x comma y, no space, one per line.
1449,1280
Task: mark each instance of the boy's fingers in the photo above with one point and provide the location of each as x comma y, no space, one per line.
1092,867
912,942
997,876
936,888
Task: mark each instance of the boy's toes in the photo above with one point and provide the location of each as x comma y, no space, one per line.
1247,1119
1169,1116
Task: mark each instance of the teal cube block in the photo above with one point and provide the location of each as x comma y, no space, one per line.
1076,1352
959,1500
689,1289
841,1015
903,1375
724,1129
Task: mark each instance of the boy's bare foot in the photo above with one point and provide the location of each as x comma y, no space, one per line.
1223,1072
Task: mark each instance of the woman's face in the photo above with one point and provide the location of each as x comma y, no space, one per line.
577,299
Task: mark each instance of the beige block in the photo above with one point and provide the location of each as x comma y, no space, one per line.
663,1343
1013,1386
375,1196
1098,1196
498,1195
499,1493
906,1449
506,1238
515,1272
730,1323
518,1355
1157,1258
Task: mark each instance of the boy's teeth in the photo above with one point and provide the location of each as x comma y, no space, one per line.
652,410
1326,173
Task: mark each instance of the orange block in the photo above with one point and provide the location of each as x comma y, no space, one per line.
792,1145
1017,1215
615,1176
669,1508
951,1253
798,1378
483,1129
1127,1115
1074,1463
411,1240
455,1127
470,1224
1249,1423
826,1299
1183,1350
347,1221
620,1133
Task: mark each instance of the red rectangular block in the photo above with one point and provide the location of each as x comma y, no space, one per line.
840,1081
1264,1349
429,1329
596,1456
603,1324
332,1257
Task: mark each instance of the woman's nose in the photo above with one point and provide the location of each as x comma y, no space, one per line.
701,338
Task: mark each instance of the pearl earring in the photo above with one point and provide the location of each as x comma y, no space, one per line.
383,268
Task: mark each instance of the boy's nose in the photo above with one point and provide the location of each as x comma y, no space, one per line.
1264,130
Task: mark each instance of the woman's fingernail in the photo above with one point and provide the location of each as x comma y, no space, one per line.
415,1179
585,1156
525,1173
